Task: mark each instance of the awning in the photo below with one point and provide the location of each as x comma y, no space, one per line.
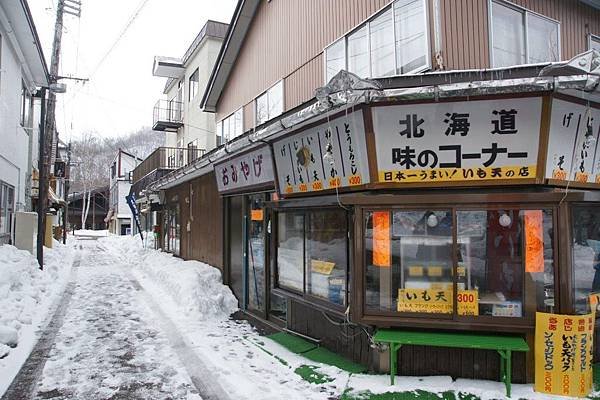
54,199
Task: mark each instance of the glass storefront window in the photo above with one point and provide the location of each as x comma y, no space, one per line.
505,261
290,250
326,255
586,256
409,261
312,247
256,253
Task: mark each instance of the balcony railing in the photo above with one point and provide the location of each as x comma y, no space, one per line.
166,158
167,115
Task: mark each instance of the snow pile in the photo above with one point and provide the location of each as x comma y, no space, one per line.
26,293
197,288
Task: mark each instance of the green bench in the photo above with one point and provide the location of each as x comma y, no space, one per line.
504,345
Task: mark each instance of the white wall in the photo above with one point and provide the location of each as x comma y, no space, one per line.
14,151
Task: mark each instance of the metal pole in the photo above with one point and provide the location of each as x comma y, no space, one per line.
41,206
67,187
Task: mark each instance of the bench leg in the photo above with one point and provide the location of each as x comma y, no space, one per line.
393,361
506,369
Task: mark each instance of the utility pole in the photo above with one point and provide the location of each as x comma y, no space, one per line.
47,137
67,187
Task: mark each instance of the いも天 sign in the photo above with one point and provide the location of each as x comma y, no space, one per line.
330,155
438,301
482,140
563,354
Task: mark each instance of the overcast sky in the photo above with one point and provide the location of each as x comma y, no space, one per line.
122,91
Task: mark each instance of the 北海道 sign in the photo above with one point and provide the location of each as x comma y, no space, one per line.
329,155
482,140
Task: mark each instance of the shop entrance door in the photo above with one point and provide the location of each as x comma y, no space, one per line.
236,244
256,254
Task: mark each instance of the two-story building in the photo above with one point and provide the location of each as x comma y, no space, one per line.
120,219
344,120
23,71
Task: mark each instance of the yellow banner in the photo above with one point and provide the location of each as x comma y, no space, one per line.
563,354
438,301
458,174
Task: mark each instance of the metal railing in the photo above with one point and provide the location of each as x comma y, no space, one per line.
168,111
166,158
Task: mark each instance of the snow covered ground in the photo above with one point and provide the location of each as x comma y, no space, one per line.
27,296
144,324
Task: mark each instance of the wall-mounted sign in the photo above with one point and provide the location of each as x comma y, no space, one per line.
250,169
438,301
564,354
483,140
332,154
573,144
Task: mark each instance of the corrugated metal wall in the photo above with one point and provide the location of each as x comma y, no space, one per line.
287,38
286,35
465,42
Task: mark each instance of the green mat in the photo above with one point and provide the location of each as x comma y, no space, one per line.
315,353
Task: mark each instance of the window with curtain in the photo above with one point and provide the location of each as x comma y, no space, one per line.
522,37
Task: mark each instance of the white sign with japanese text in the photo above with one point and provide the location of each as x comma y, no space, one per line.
479,140
250,169
573,143
332,154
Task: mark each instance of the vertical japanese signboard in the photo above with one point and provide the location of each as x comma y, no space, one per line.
563,354
483,140
248,170
382,254
573,143
534,241
332,154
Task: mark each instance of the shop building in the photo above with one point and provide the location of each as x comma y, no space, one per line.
448,182
119,218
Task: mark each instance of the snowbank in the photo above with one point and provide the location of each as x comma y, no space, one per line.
197,288
26,296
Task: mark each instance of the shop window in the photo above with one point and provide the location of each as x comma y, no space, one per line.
503,265
290,250
520,36
586,256
506,261
409,261
392,42
312,247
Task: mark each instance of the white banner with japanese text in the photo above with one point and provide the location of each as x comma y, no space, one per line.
248,170
573,144
332,154
482,140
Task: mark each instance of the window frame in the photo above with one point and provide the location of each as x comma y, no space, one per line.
592,38
305,296
367,22
525,12
229,121
374,317
267,94
195,83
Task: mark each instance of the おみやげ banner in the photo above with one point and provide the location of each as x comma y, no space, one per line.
563,354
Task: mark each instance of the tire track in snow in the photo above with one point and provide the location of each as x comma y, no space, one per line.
203,379
25,383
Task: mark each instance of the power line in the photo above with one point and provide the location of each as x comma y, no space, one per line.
123,31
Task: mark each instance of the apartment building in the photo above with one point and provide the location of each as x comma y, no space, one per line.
23,71
343,120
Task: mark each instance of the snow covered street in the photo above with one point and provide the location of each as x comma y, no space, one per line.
134,323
